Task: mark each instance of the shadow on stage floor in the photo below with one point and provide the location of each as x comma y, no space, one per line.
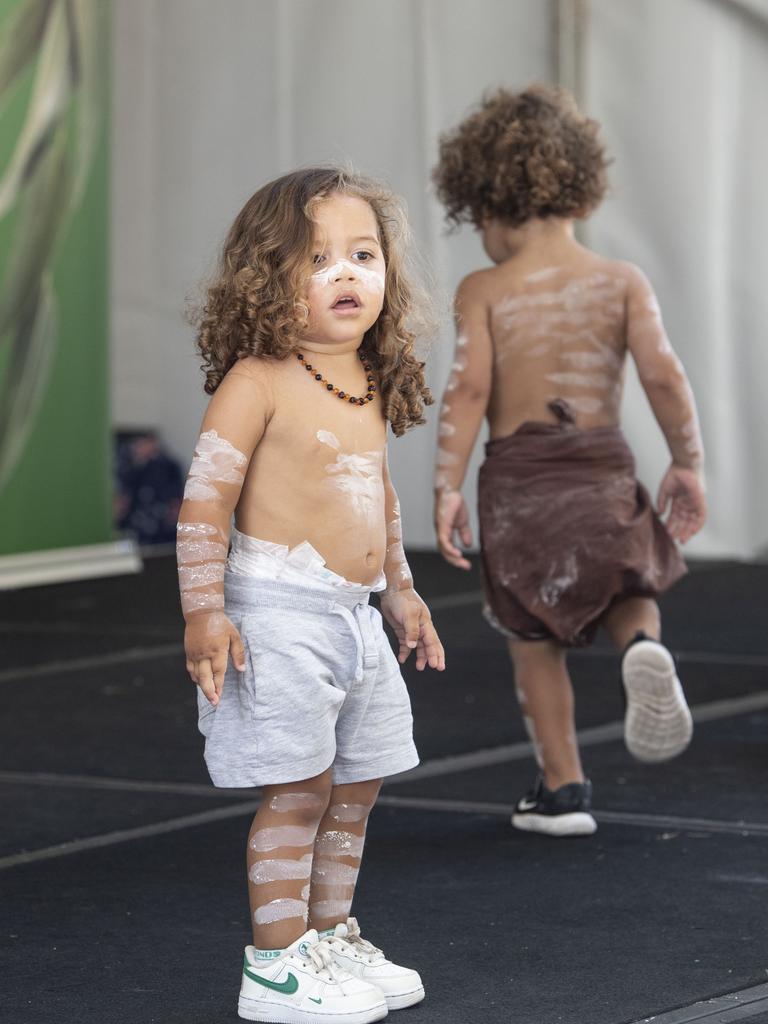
121,868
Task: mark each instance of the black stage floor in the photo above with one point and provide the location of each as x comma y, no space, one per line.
121,867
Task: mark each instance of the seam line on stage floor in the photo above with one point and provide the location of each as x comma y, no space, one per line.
708,712
732,1006
429,769
398,803
438,766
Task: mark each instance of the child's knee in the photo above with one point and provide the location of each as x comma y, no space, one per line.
306,802
356,798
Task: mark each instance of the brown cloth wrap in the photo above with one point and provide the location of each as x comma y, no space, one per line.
566,530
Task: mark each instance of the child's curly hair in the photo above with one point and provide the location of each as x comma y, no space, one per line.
256,304
521,155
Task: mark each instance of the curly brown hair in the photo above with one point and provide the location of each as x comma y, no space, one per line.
256,304
521,155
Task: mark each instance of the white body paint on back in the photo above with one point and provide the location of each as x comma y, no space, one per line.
543,322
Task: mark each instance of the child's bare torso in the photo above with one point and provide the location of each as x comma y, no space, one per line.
558,330
317,475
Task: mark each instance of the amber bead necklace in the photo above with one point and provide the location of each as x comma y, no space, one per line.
352,399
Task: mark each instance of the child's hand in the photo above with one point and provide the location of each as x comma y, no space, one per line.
407,614
451,517
208,641
682,490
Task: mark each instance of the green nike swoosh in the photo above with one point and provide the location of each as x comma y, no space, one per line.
287,987
318,1001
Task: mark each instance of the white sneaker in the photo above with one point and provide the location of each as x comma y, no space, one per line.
401,986
657,724
303,985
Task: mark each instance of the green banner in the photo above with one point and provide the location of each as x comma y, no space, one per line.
55,435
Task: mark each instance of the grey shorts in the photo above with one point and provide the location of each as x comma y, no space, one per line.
321,687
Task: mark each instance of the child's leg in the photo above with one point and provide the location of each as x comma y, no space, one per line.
337,853
625,619
546,700
280,848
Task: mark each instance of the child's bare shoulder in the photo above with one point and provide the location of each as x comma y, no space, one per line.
477,288
251,377
629,273
257,369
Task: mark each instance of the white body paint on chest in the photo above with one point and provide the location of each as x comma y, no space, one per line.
358,476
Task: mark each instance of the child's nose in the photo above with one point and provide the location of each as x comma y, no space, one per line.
345,269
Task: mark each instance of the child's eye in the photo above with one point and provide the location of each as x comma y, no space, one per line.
318,258
363,256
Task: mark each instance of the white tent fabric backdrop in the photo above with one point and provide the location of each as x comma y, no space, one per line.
212,100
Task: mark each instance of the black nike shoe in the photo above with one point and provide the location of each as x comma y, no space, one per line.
562,812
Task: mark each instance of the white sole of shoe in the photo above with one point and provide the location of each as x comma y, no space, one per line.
658,724
577,823
403,999
279,1013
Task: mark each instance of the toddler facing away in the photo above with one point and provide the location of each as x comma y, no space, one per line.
569,539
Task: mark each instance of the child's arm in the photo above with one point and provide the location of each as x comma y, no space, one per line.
671,398
464,404
401,606
234,424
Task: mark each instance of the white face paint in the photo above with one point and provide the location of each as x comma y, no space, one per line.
263,871
446,429
282,835
280,910
215,462
297,802
358,477
339,844
372,279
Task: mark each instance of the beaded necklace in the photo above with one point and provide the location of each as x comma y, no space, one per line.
352,399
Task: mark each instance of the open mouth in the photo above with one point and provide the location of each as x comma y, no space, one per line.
346,302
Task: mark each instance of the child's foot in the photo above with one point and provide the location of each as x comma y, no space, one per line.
559,812
657,724
401,986
304,985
